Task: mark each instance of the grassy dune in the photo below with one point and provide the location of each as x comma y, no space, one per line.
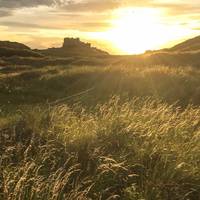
130,133
28,86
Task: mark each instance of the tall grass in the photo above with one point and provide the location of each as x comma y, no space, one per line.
28,87
129,149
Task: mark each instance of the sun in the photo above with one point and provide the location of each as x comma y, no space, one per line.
137,30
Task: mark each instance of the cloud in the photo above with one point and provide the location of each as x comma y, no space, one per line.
80,26
71,5
91,5
22,25
25,3
102,5
5,13
174,7
180,8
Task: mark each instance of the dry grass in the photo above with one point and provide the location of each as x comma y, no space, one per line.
131,149
134,136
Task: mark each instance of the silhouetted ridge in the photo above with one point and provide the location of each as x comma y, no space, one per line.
13,45
189,45
73,47
9,49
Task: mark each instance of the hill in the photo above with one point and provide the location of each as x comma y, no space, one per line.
188,45
73,47
73,51
13,45
9,52
9,49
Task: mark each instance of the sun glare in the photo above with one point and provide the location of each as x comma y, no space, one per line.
135,30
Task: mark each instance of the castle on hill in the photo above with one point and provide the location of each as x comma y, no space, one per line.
71,47
75,42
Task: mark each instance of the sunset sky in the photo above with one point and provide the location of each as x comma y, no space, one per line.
118,26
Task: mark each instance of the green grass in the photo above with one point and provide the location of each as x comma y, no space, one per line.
134,136
39,85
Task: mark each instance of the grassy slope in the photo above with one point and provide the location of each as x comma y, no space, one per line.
152,58
136,145
28,86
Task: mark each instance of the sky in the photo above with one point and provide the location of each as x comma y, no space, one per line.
117,26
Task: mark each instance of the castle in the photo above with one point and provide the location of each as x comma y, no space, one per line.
73,46
75,42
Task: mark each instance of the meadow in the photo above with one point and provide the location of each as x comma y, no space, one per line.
93,132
